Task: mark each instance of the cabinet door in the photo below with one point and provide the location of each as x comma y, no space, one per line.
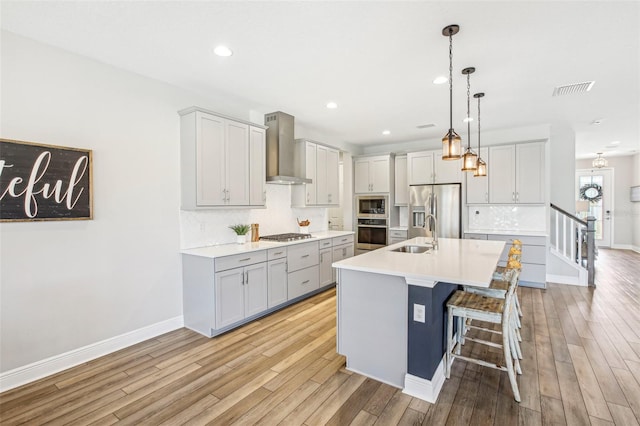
401,185
478,187
277,282
361,182
333,177
446,171
229,294
237,160
210,153
530,173
255,289
420,167
380,174
502,176
326,271
310,153
322,191
257,167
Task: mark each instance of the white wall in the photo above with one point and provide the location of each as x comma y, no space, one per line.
635,207
562,152
626,221
66,285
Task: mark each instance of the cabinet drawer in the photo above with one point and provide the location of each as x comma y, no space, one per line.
239,260
475,236
345,239
530,254
302,256
398,234
326,243
302,282
396,240
276,253
526,240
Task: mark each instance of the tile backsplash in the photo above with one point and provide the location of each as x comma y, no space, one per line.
507,218
209,227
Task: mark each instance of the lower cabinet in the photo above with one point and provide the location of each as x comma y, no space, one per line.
277,282
303,281
302,265
240,293
397,236
340,252
326,271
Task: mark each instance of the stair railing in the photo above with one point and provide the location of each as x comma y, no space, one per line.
568,235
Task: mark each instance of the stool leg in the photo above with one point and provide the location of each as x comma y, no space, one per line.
449,342
461,333
517,305
509,360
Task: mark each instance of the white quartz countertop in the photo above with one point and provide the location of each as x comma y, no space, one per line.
466,262
506,232
231,249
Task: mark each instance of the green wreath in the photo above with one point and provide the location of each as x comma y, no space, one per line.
591,192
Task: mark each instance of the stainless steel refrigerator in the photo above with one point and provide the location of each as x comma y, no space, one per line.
441,200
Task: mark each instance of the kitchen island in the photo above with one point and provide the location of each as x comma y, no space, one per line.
391,308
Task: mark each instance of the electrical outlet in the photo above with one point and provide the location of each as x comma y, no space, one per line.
477,211
418,312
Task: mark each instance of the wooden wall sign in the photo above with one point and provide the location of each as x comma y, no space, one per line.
44,182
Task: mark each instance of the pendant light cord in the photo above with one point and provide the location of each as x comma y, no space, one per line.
450,82
469,111
478,126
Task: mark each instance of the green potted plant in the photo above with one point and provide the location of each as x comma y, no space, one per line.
241,232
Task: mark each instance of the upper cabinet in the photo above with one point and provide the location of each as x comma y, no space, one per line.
426,167
401,183
517,173
319,163
372,174
478,186
222,161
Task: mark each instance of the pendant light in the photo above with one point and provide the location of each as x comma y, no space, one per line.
600,162
451,141
470,158
481,168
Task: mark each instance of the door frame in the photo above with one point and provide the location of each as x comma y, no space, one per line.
608,199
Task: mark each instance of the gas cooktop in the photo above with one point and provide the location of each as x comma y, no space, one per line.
291,236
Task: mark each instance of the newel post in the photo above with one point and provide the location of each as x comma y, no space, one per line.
591,249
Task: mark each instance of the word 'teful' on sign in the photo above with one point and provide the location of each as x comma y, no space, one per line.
44,182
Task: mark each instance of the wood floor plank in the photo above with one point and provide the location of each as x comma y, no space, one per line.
547,374
352,406
380,399
630,387
394,410
622,415
552,411
282,410
332,404
411,418
606,380
364,418
575,411
527,417
591,392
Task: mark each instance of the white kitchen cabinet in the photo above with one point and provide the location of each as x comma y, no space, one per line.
222,161
320,164
302,267
401,182
427,167
372,174
517,173
240,293
478,186
257,167
326,271
343,248
397,235
276,282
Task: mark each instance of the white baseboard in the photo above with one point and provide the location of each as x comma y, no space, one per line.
622,246
565,279
427,390
46,367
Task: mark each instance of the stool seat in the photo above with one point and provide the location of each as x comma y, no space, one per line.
476,302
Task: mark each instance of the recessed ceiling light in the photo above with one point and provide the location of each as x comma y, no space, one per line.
440,80
597,121
332,105
467,119
615,143
386,132
223,51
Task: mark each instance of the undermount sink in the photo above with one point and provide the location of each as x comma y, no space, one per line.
412,249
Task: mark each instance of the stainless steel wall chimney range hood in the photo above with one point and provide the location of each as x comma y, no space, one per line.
280,150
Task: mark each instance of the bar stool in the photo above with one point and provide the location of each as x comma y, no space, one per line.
464,305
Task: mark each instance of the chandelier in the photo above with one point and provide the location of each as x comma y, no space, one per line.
451,141
600,161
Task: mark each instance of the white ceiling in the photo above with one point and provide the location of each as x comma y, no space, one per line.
377,60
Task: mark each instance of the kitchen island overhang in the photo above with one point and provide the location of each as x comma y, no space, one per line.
391,309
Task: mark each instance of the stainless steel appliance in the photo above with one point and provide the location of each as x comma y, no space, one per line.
291,236
280,150
441,201
372,206
372,233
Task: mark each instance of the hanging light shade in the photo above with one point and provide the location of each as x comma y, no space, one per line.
451,141
600,161
470,158
481,165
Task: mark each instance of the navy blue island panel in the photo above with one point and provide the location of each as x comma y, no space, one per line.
427,341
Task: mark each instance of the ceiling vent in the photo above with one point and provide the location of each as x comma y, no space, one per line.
425,126
570,89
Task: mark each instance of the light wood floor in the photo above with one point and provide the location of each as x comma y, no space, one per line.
581,366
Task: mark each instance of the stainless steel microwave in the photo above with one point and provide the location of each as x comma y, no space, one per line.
372,206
